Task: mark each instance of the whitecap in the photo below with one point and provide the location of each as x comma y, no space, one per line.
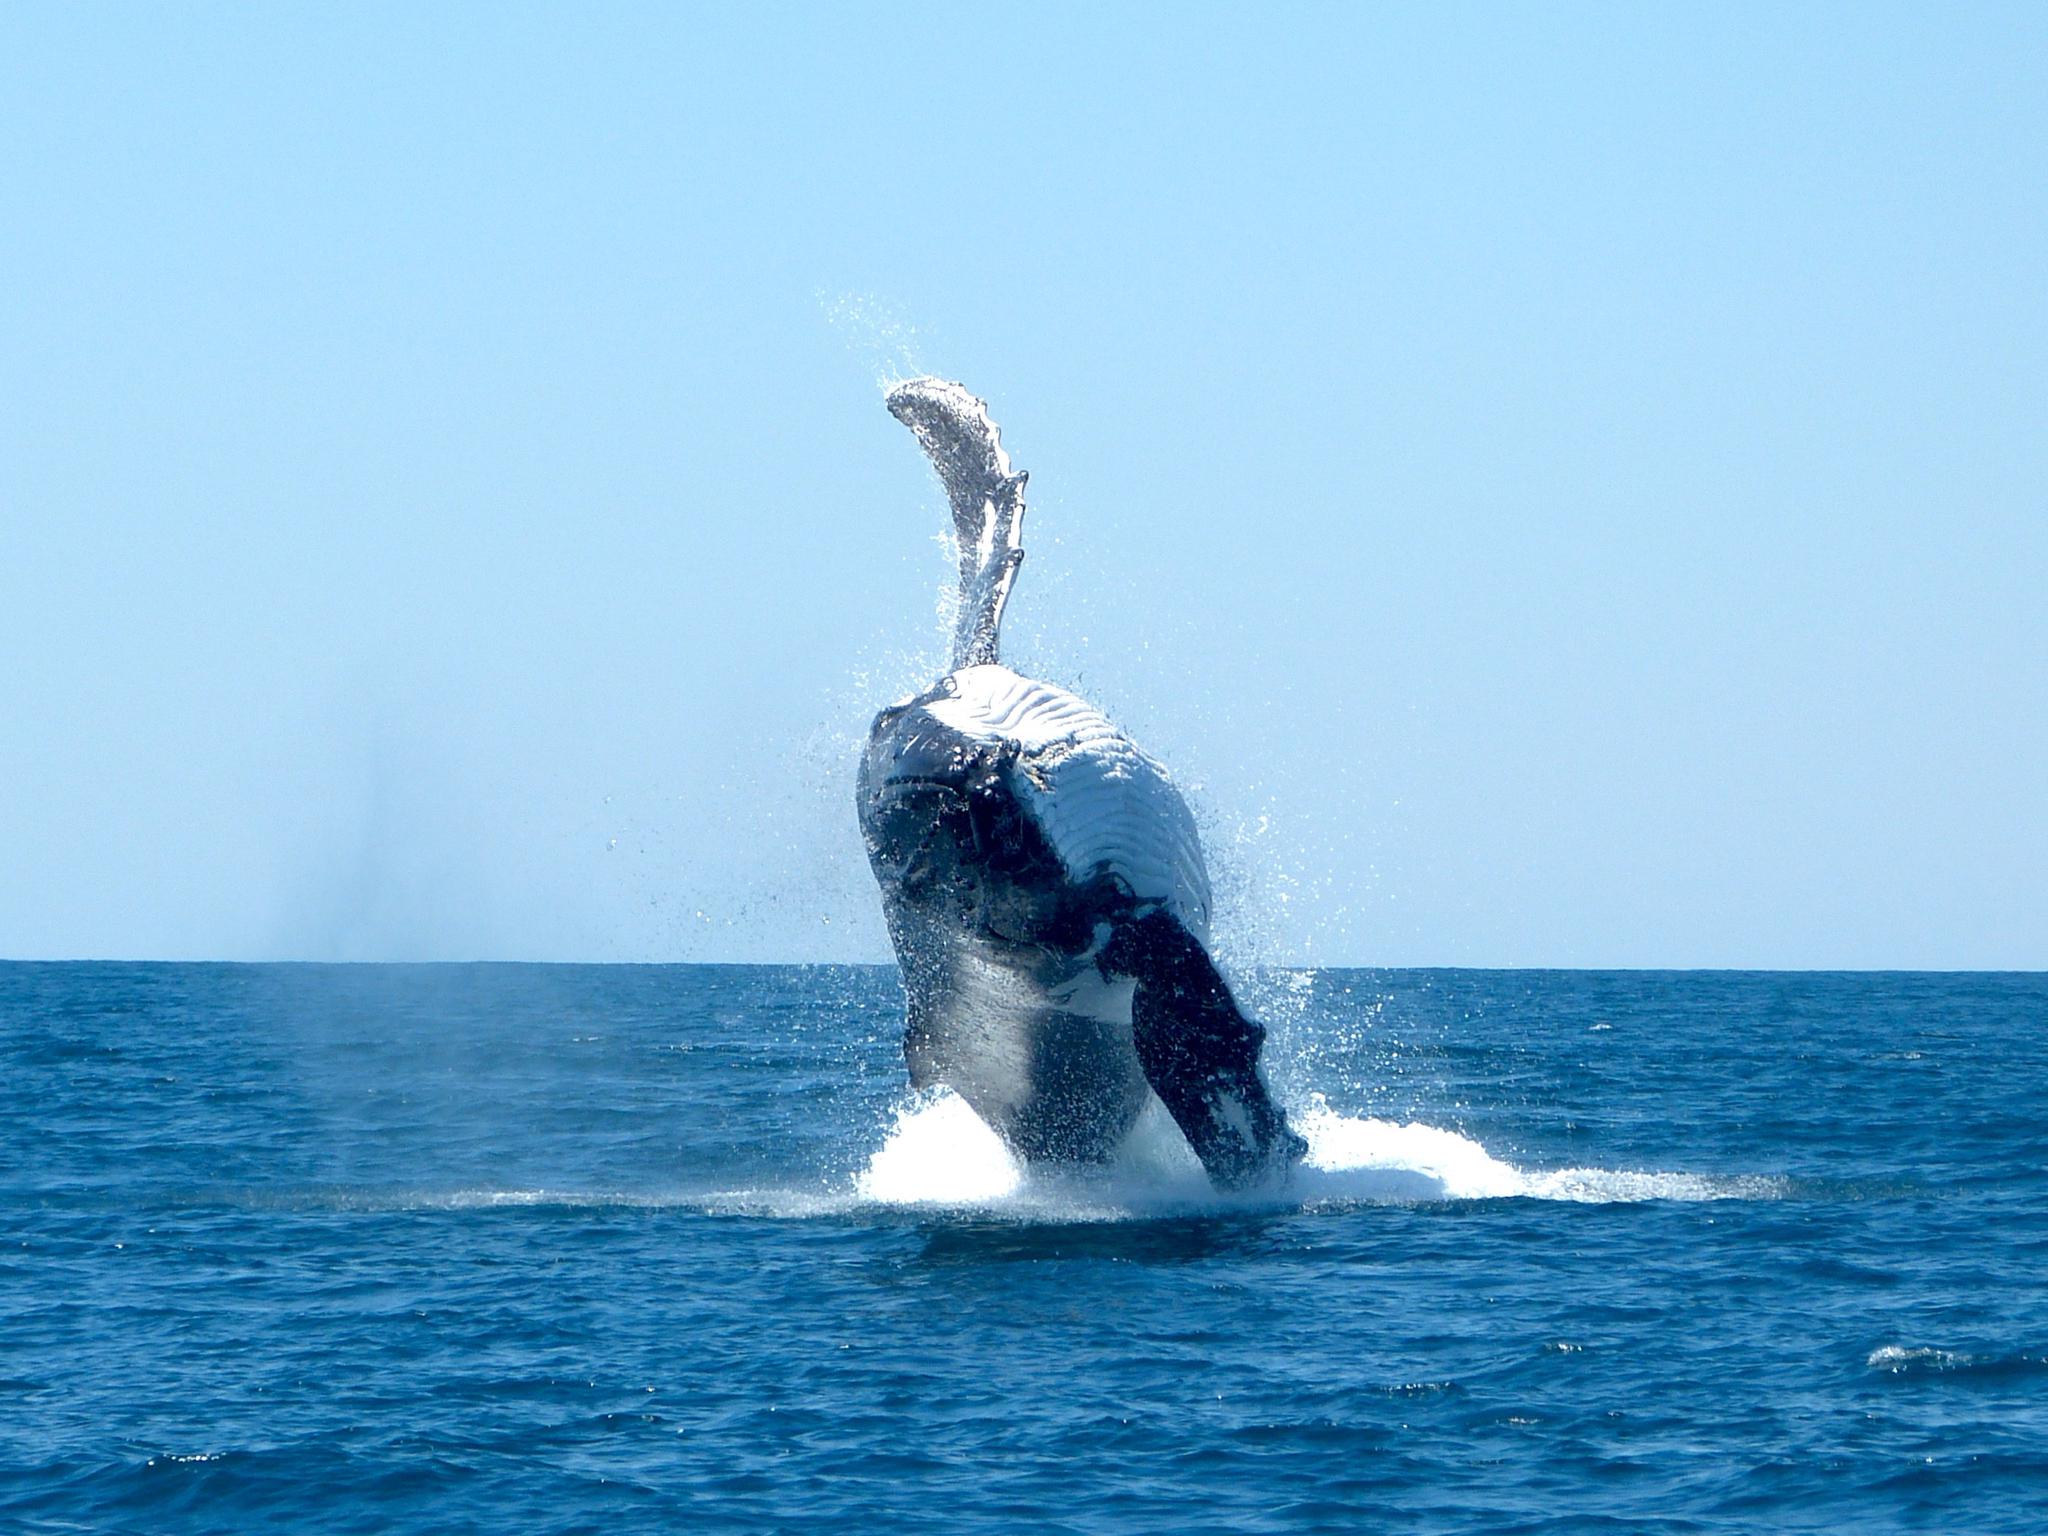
1899,1359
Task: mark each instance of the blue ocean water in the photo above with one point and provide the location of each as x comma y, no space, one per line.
621,1249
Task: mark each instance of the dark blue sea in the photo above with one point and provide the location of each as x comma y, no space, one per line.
620,1249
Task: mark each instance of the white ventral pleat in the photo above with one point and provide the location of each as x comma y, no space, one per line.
1103,805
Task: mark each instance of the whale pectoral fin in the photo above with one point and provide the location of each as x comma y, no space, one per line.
987,496
1199,1053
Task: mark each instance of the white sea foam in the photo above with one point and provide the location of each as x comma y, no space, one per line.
939,1153
1901,1359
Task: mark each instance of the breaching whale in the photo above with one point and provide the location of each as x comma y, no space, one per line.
1043,881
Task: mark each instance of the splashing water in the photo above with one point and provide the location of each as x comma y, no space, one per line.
939,1153
877,331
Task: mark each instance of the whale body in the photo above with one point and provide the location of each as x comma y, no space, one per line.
1043,879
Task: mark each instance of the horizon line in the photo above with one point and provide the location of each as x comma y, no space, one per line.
1534,969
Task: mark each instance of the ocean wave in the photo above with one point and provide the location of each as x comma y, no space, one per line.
1928,1360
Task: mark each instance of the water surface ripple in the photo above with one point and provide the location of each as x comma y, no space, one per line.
554,1249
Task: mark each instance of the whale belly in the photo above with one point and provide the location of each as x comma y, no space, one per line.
1043,878
1012,828
1042,1051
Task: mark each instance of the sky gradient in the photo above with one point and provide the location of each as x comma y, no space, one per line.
1563,486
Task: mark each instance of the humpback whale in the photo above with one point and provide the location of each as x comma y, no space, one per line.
1043,881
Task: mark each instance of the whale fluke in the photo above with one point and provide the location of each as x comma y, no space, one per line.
987,497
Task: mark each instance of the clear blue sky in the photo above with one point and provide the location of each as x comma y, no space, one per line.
1565,485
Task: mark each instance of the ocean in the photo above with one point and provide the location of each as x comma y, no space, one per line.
491,1248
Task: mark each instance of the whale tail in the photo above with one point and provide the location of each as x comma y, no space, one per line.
987,497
